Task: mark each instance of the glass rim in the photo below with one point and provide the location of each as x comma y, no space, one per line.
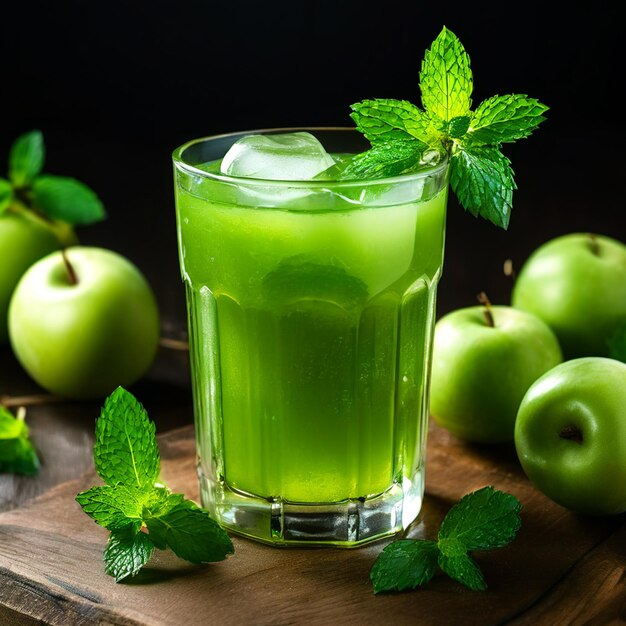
179,161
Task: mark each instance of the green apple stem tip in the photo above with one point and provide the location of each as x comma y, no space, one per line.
594,244
571,433
484,300
71,272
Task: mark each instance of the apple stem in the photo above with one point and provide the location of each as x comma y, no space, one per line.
572,433
71,272
594,244
483,299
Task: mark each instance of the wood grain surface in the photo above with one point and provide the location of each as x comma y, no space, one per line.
561,569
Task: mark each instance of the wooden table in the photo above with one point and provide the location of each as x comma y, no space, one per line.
562,568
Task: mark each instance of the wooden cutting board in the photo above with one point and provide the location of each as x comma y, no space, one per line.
561,569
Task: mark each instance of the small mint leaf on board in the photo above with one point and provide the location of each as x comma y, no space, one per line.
190,533
404,564
388,120
502,119
114,508
126,450
464,570
6,195
67,199
17,453
446,79
482,179
126,553
26,158
384,160
482,520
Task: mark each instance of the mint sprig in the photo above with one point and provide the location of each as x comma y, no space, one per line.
141,513
50,197
17,453
483,520
480,175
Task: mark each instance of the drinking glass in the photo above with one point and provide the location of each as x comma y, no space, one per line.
311,307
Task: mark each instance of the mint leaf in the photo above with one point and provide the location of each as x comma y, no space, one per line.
67,199
482,179
463,569
6,195
384,160
126,451
17,453
458,126
404,564
389,120
26,158
126,553
446,78
501,119
189,532
482,520
114,508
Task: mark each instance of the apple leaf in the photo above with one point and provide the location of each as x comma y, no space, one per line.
26,158
6,194
67,199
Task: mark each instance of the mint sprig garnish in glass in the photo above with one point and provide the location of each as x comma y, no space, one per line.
311,261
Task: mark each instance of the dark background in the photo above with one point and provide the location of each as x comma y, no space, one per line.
116,86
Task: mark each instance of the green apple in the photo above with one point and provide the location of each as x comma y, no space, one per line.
570,435
24,239
577,285
483,367
83,338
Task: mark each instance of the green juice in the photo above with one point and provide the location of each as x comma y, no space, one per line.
310,329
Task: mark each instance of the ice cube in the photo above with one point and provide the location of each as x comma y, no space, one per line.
288,156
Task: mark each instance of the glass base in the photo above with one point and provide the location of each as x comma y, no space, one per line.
346,524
